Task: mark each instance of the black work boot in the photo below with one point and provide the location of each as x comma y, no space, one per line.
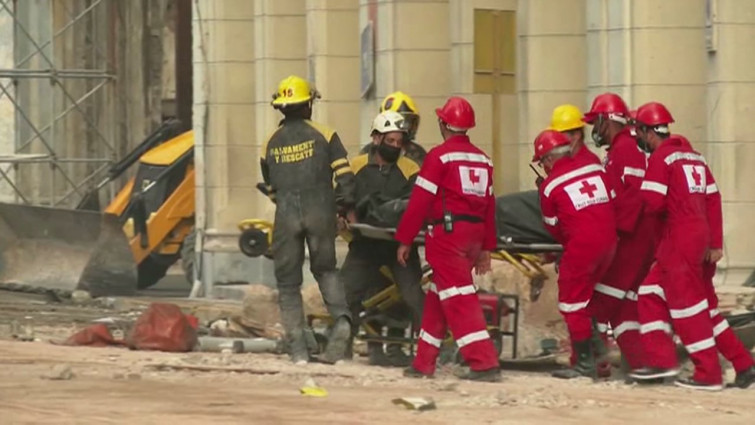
488,375
292,317
339,338
298,347
744,379
394,352
598,343
585,364
653,373
375,354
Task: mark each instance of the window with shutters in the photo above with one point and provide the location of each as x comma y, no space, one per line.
494,51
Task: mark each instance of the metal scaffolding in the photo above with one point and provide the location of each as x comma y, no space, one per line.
61,88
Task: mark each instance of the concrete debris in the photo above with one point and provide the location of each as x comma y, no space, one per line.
416,403
80,297
21,332
60,372
450,386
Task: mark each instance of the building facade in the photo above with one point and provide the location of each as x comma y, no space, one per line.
514,60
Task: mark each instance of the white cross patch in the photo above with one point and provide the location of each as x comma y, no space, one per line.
695,175
474,180
586,192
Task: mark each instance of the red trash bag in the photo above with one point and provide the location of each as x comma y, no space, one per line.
93,336
163,327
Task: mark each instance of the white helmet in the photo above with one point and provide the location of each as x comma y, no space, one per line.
388,121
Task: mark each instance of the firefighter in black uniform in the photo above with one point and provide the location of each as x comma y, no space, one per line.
386,175
299,162
403,104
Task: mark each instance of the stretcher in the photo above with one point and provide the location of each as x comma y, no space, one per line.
501,310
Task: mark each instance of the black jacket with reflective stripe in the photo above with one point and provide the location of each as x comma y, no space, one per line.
382,183
302,155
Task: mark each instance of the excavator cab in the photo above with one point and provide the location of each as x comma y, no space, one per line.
156,209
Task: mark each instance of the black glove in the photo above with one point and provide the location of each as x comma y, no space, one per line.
538,181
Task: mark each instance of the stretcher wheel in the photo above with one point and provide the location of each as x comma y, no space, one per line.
253,242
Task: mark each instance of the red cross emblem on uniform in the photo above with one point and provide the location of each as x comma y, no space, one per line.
697,176
588,189
473,176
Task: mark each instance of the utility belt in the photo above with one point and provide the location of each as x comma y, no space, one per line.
449,219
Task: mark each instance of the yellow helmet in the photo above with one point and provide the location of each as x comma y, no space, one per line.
403,104
293,90
566,117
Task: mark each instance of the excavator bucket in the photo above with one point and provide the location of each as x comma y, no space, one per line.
57,250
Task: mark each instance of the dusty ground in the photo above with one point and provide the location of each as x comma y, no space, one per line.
114,385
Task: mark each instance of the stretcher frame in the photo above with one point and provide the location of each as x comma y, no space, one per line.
522,256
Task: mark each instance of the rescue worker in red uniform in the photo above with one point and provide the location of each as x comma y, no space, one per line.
454,195
615,300
679,291
575,200
567,119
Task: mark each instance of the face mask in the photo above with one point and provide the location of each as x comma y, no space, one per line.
389,153
643,145
596,136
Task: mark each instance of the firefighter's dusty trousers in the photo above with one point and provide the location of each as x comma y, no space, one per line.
306,217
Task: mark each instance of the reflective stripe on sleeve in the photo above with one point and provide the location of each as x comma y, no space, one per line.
426,184
654,187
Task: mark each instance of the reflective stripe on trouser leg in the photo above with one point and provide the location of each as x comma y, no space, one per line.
659,349
452,257
432,332
463,312
626,330
468,327
696,334
729,344
691,321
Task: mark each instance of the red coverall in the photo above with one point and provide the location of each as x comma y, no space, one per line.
459,175
585,154
679,186
615,299
575,200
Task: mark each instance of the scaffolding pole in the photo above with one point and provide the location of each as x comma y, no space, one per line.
59,88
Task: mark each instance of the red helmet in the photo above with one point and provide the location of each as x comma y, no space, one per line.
610,104
457,113
633,115
653,114
546,141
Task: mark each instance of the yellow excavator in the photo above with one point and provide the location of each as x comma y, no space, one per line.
129,245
